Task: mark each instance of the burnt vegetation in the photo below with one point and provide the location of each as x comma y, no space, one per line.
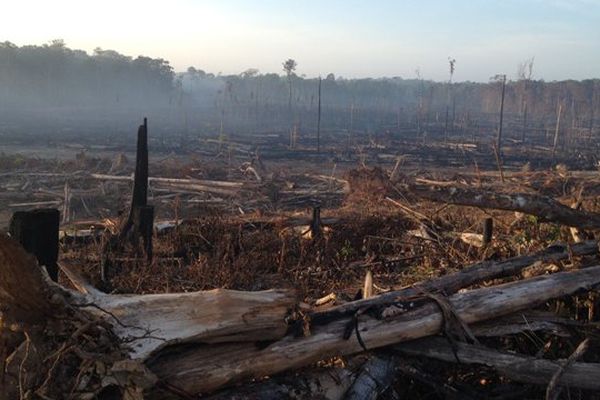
276,236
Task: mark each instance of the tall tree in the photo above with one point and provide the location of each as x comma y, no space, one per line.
289,67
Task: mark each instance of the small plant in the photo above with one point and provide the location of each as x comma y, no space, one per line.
347,251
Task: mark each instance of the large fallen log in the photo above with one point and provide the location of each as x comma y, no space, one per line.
543,207
151,322
200,369
479,272
515,366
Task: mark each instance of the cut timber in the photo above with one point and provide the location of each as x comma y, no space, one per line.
517,367
547,209
471,275
202,369
152,322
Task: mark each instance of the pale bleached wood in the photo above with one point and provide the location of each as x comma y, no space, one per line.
148,323
207,368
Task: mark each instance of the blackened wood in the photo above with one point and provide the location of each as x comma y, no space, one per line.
37,232
488,229
315,224
140,184
140,180
143,222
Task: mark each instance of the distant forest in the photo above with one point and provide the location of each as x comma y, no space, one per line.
55,83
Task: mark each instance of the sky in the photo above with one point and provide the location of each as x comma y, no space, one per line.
350,38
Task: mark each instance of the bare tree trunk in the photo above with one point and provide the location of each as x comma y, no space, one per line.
499,138
557,129
319,121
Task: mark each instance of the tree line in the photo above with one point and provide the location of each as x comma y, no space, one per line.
55,76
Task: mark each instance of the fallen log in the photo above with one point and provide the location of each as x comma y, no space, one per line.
543,207
471,275
149,323
514,366
200,369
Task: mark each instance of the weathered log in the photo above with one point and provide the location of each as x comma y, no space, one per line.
517,367
151,322
543,207
207,368
471,275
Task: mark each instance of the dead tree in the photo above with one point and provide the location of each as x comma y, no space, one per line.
319,121
557,128
37,232
499,137
140,220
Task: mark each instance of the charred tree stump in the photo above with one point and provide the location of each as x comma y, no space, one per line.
140,219
140,180
37,232
316,224
143,226
488,229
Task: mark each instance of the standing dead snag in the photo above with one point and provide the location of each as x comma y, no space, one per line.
141,216
37,232
143,225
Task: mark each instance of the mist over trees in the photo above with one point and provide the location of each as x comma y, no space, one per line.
55,75
55,83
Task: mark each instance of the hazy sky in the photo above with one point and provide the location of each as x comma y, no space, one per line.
351,38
